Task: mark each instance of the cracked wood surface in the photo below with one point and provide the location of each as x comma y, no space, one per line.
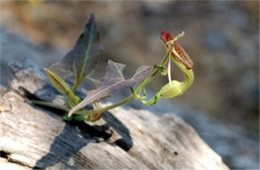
33,137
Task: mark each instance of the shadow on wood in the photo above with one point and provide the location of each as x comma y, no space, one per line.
32,137
75,134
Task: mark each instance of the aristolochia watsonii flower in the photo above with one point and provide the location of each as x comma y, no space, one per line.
182,60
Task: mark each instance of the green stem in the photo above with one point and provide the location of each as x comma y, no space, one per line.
83,114
124,101
151,77
152,101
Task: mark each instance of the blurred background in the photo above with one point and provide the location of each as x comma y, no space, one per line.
222,38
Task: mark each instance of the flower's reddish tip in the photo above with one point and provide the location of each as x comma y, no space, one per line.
166,36
183,56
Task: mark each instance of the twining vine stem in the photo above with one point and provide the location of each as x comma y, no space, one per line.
80,115
134,96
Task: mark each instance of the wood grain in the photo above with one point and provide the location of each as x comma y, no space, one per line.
33,137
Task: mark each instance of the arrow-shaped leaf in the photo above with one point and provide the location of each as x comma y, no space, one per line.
83,58
112,82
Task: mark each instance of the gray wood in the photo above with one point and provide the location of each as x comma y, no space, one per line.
32,137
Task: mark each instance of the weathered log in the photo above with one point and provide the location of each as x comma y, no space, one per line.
33,137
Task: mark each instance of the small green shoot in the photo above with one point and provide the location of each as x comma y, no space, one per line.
81,62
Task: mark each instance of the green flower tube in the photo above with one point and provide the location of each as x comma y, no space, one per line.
176,88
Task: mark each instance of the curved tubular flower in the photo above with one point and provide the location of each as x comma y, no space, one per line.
178,55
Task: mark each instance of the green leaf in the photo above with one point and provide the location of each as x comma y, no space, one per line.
85,55
112,82
62,87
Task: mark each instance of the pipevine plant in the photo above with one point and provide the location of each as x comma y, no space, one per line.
81,63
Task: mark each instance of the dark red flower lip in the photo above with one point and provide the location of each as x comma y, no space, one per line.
166,36
183,57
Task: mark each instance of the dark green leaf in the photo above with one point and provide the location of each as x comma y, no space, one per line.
83,58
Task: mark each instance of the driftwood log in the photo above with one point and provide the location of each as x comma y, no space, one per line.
125,138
